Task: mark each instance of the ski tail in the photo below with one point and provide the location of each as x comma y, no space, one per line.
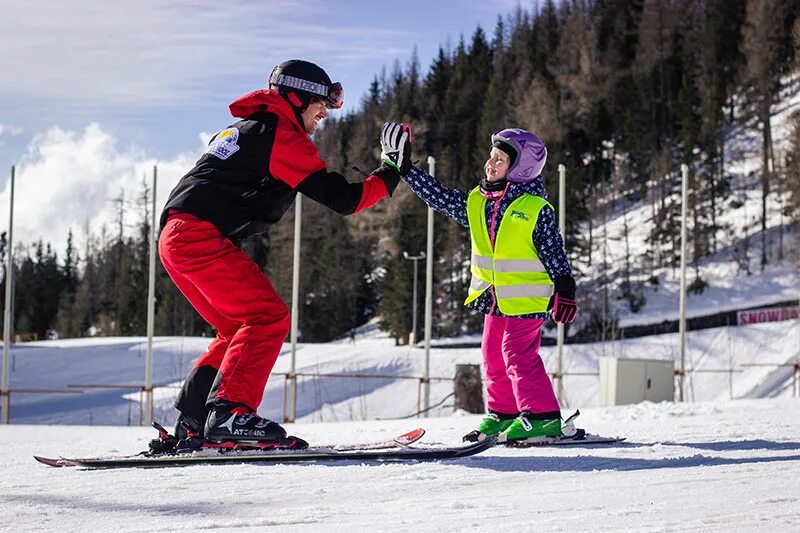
59,463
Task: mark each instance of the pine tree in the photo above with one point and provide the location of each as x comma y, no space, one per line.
763,44
66,324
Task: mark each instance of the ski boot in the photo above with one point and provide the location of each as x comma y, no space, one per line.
493,424
186,437
234,426
189,433
532,427
165,443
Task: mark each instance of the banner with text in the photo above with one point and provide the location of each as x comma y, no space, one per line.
768,314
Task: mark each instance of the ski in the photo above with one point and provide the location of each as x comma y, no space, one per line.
49,461
580,438
277,456
398,441
403,441
570,435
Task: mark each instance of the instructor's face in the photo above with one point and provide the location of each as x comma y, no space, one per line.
315,113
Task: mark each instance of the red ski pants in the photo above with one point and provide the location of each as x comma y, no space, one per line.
232,294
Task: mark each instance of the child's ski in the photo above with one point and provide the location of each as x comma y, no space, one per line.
580,438
569,435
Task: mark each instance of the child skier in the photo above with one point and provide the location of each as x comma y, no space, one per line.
519,274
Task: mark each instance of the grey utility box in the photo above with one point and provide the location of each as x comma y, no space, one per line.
626,381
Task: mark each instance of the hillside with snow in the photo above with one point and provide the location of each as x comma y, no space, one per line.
735,279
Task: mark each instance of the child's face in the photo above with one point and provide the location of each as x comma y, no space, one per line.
496,167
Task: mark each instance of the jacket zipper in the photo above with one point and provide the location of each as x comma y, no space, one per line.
492,235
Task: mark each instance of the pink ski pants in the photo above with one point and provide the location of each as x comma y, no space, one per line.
516,379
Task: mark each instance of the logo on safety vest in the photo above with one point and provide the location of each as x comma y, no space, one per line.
519,214
225,143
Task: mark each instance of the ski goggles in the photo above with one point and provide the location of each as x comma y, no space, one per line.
335,99
332,95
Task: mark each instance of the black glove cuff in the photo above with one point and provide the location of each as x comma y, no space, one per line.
565,287
406,166
389,175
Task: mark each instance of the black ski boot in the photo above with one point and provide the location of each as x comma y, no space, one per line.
165,443
188,437
235,426
189,433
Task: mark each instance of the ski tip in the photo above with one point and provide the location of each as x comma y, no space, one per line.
488,442
409,438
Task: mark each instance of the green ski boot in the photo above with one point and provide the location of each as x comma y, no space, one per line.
493,424
528,428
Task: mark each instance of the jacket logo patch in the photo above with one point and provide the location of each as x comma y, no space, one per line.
519,214
224,144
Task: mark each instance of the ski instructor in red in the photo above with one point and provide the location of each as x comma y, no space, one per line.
245,181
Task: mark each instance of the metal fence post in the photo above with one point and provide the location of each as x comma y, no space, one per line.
7,315
290,404
562,187
682,303
151,310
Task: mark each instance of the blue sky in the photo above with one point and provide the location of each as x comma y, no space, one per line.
154,74
93,93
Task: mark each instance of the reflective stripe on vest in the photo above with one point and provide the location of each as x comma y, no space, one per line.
522,285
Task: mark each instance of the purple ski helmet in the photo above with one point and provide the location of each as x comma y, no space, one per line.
529,153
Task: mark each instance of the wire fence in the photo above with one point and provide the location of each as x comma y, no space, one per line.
707,349
417,409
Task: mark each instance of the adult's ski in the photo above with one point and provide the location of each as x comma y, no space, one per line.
279,456
398,441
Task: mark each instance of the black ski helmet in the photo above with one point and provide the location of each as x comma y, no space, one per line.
299,81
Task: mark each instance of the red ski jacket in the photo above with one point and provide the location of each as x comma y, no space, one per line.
251,171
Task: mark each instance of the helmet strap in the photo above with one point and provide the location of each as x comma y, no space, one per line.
294,99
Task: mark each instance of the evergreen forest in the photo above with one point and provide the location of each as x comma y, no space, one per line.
622,92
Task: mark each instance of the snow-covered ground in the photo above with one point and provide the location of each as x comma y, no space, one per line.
715,466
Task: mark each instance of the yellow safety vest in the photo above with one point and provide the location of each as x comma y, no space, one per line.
521,283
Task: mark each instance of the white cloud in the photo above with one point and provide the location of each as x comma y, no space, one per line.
68,179
93,53
6,129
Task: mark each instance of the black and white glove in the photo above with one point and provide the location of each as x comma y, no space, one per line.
396,146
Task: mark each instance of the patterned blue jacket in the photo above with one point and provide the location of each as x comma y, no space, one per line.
453,203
